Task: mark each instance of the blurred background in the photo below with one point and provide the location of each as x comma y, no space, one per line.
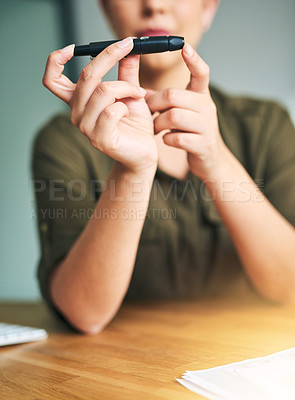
250,50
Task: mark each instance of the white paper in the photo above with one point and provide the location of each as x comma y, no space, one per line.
265,378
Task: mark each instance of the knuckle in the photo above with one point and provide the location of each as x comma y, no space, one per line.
108,113
170,95
45,82
173,115
52,57
86,73
123,108
83,127
157,126
74,119
94,143
112,146
179,140
103,88
101,143
109,51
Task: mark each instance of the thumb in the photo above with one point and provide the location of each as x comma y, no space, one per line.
129,69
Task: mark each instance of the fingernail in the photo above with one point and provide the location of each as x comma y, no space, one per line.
68,49
125,43
189,50
142,90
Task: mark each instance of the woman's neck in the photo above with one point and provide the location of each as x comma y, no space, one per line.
178,77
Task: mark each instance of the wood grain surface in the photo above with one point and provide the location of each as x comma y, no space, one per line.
141,352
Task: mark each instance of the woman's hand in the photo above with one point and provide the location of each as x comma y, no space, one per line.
191,117
112,115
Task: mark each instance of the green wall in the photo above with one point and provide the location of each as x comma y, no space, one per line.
29,30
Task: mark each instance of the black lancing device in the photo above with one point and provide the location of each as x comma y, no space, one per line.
143,45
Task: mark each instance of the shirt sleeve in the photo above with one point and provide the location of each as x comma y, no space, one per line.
64,200
279,184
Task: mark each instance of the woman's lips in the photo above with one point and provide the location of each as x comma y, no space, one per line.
153,32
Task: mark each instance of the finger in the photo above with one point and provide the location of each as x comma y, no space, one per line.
149,92
93,73
179,119
53,78
185,141
106,138
128,69
172,97
199,70
105,95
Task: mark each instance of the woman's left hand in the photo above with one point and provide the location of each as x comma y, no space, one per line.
191,117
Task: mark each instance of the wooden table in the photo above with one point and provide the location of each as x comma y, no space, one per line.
145,347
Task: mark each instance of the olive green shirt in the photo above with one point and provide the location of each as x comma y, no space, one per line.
185,249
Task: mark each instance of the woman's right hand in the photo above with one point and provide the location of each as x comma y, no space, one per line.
121,129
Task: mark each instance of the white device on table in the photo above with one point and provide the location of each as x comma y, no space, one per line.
13,334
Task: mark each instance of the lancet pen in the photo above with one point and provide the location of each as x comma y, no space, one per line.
142,45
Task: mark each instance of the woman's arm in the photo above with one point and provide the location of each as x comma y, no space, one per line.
264,239
89,285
